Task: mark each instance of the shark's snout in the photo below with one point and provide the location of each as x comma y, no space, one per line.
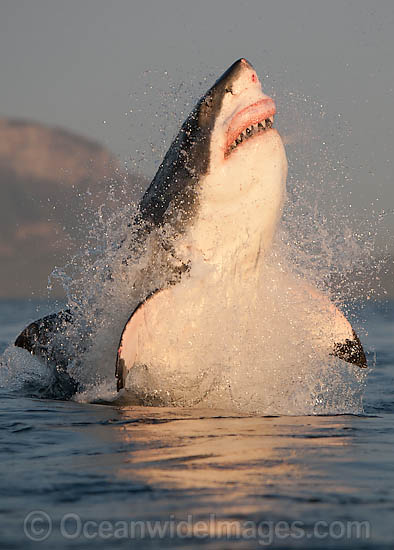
239,76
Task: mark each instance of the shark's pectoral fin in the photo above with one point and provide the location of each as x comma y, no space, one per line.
38,336
351,351
136,328
343,342
40,339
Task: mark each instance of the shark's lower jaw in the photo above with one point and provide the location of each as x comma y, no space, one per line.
248,133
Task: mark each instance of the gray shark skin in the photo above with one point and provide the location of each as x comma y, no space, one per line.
173,199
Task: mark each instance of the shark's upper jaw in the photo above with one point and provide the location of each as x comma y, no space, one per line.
249,122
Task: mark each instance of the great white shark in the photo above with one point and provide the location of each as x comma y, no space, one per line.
212,209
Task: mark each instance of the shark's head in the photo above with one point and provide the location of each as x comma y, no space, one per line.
225,147
244,147
234,111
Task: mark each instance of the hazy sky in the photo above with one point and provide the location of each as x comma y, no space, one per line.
78,63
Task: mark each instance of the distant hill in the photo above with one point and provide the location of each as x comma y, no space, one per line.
48,177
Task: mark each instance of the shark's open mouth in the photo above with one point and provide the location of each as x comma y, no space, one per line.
248,133
249,122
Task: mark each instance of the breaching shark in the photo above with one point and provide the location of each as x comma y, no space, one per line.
215,202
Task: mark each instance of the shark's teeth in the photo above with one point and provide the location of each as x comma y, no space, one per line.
250,131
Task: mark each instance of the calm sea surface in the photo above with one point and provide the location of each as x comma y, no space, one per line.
76,475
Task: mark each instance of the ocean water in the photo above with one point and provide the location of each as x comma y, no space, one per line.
82,475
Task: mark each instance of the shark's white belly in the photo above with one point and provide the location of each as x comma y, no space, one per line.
228,313
203,336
